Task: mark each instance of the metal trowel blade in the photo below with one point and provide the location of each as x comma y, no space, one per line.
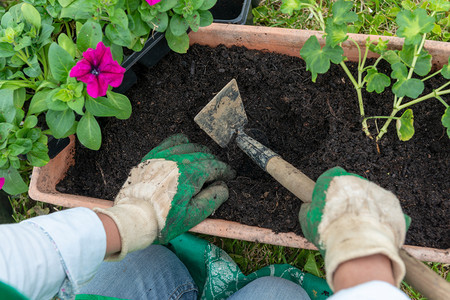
223,115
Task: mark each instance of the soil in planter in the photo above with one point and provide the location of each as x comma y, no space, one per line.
314,126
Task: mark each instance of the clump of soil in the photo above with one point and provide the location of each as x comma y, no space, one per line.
314,126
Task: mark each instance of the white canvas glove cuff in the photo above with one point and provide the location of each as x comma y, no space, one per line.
142,205
137,224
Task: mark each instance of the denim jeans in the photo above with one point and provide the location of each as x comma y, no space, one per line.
157,273
152,273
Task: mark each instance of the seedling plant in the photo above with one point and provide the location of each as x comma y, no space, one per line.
407,64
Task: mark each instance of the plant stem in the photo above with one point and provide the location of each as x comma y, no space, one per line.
432,75
357,86
434,94
397,104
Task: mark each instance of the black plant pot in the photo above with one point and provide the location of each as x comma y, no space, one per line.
5,209
232,11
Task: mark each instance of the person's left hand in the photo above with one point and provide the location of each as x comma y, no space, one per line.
163,197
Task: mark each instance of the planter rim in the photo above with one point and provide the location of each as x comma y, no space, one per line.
286,41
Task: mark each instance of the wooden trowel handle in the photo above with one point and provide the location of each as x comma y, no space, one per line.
427,282
291,178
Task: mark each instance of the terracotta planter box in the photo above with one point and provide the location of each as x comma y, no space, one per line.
284,41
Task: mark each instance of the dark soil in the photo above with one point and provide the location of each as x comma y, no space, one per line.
314,126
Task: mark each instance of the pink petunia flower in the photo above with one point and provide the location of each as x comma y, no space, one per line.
2,182
152,2
98,70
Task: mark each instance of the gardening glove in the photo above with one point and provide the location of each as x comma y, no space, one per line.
161,198
351,217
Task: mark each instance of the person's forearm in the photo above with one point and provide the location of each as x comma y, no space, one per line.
361,270
113,242
42,253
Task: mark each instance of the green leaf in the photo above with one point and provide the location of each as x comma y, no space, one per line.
14,162
311,265
77,105
399,71
342,13
34,70
14,183
167,4
119,18
79,10
439,5
30,122
193,21
60,122
405,126
380,47
19,97
288,6
446,70
90,35
412,25
423,62
119,35
160,23
121,103
335,33
38,156
139,28
60,62
318,60
7,108
411,88
206,18
6,50
20,146
31,15
376,81
178,25
38,102
65,3
391,57
179,44
5,129
207,4
44,36
67,44
446,120
88,132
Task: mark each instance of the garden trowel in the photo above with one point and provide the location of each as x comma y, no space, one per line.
224,116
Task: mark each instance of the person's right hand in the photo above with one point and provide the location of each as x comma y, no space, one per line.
351,217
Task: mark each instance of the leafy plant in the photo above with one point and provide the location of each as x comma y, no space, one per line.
412,61
176,17
21,142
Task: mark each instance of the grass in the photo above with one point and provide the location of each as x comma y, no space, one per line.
375,17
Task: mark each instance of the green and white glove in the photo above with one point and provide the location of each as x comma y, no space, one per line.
162,197
351,217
